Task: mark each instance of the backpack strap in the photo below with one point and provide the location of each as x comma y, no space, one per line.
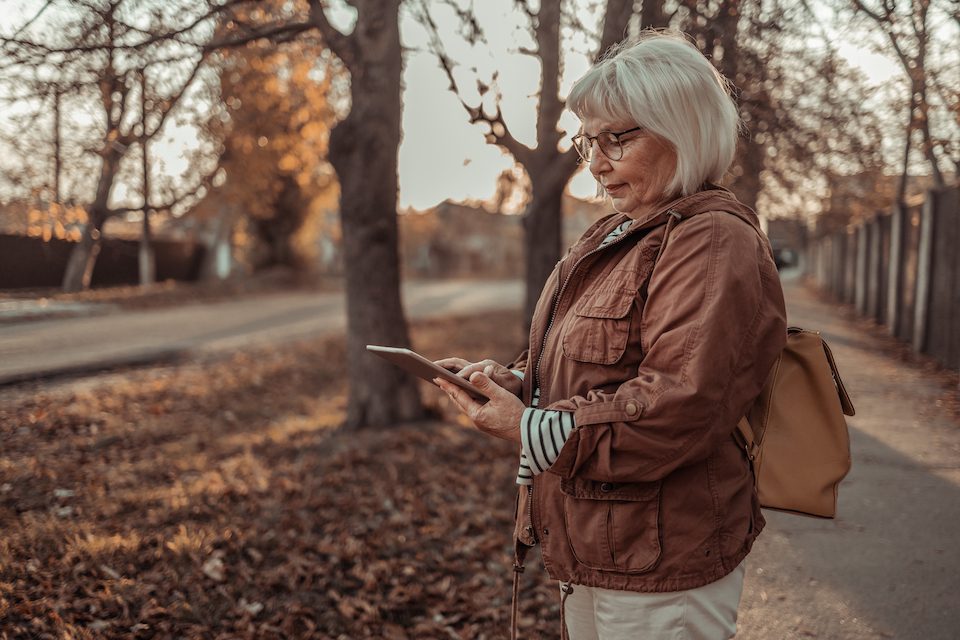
845,403
743,434
745,438
674,217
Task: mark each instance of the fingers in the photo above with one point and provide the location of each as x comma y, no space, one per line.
486,366
452,364
460,397
500,417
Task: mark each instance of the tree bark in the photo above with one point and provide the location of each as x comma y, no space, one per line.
57,147
723,35
616,23
543,228
549,170
652,15
363,151
83,257
146,257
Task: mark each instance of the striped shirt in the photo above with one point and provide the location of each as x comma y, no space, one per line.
543,432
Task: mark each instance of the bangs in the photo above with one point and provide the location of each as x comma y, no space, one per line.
598,95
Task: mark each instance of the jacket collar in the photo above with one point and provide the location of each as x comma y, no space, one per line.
711,198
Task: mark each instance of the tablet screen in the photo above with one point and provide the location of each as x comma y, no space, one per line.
416,364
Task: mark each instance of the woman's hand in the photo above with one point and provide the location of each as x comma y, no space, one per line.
499,416
502,376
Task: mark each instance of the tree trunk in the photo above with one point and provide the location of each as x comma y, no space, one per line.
750,158
652,15
277,232
723,33
363,151
927,140
146,258
83,257
908,143
616,24
543,226
217,255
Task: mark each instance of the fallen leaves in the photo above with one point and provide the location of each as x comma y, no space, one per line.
216,500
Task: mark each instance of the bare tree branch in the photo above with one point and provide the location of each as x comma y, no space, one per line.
343,46
499,133
26,25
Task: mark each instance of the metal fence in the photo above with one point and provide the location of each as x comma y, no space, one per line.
901,269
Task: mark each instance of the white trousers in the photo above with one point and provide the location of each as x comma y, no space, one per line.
705,613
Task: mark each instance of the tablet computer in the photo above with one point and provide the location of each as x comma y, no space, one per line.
416,364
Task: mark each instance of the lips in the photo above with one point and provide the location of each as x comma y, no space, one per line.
611,188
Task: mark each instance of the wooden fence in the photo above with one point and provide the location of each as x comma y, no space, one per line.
902,269
27,262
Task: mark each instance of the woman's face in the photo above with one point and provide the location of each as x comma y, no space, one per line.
636,182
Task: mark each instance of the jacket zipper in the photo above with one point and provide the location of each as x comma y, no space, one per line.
536,372
533,533
556,302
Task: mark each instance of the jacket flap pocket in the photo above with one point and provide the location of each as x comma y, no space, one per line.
596,490
613,303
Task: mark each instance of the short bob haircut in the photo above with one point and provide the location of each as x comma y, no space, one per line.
661,82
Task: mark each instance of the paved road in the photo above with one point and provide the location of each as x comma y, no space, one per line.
889,565
47,347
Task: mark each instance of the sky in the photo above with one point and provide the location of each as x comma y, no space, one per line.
468,167
442,156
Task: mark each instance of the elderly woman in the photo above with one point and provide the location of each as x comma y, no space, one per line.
651,338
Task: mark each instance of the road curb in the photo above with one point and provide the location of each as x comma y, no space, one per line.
162,356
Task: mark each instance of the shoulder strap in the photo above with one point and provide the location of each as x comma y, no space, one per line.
673,218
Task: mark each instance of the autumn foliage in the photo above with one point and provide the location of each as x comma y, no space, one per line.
279,103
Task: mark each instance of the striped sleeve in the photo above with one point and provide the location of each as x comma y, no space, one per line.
524,474
543,433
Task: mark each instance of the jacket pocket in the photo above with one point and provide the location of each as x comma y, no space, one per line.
599,328
613,527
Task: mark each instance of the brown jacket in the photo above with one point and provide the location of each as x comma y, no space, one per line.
651,492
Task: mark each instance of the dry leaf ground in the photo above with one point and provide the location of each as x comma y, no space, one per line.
217,500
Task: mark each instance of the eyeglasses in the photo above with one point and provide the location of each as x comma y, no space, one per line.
608,141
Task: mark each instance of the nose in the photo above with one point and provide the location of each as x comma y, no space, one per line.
599,163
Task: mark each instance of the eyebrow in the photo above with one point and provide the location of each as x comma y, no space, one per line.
605,128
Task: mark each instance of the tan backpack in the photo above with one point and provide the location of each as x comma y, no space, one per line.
795,434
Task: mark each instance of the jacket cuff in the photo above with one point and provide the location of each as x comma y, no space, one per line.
566,464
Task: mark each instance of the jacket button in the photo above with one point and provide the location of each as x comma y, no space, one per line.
631,409
606,487
546,531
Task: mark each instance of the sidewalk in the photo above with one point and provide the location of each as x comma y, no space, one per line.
889,565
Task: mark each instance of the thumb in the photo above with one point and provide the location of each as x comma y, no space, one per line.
483,382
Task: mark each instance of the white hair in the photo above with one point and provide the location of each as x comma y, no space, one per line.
662,82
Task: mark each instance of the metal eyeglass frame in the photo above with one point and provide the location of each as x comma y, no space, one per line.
591,139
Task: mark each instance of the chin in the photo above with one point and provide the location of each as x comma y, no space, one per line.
622,205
